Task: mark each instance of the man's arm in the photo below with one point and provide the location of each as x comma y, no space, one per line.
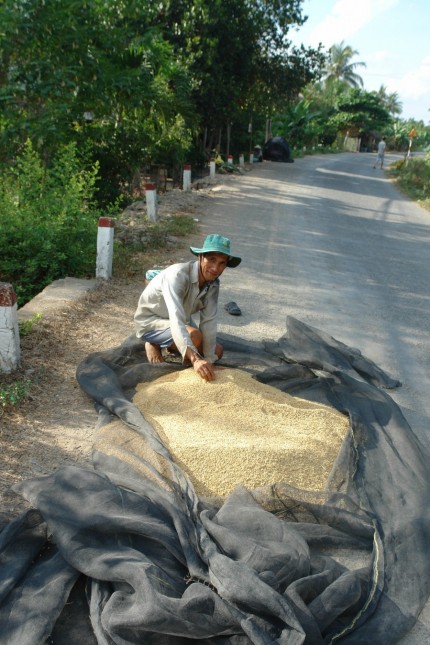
208,323
174,290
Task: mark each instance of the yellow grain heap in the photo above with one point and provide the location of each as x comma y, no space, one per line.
237,430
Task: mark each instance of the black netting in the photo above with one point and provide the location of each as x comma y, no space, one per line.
110,554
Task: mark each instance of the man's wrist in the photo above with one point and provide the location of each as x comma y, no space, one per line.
195,356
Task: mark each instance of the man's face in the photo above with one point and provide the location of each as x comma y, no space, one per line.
212,265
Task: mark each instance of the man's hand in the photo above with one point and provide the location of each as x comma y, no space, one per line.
201,366
204,369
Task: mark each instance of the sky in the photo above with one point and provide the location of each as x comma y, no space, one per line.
391,36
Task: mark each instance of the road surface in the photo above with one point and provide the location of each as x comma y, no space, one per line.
332,242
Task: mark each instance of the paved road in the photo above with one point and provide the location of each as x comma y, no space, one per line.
331,241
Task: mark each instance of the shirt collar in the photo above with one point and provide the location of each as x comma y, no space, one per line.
195,271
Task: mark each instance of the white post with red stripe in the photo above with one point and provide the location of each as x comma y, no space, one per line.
241,160
186,179
105,248
230,159
151,201
212,168
10,350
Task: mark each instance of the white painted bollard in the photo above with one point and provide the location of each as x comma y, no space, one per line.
105,248
251,157
151,201
212,168
10,350
230,159
186,181
241,160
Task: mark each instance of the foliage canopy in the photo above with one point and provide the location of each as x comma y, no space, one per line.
139,82
49,219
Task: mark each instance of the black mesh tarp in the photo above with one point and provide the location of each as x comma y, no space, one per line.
277,149
108,555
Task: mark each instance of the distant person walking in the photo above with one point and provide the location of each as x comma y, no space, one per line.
381,153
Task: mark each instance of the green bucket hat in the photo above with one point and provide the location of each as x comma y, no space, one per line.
217,244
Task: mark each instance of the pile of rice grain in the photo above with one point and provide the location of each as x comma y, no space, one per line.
235,430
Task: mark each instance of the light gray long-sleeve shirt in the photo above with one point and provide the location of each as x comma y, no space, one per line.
171,298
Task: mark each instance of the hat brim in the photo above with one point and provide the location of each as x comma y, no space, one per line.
233,260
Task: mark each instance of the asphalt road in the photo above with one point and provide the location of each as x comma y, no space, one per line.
332,242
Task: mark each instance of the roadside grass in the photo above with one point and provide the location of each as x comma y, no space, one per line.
412,176
25,326
15,387
13,393
129,256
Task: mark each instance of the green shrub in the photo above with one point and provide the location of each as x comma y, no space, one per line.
26,326
413,177
13,393
48,221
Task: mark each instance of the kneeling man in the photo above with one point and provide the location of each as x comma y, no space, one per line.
163,315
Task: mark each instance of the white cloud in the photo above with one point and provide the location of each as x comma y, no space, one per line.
416,84
346,18
380,55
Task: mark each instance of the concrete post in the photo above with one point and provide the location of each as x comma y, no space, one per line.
241,160
212,168
251,157
186,182
151,201
230,159
105,247
10,350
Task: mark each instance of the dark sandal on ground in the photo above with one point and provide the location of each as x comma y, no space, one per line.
233,309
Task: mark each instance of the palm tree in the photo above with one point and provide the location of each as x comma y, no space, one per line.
391,101
340,68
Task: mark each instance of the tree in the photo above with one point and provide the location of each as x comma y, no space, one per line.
240,58
134,82
299,124
64,60
340,68
358,111
390,100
